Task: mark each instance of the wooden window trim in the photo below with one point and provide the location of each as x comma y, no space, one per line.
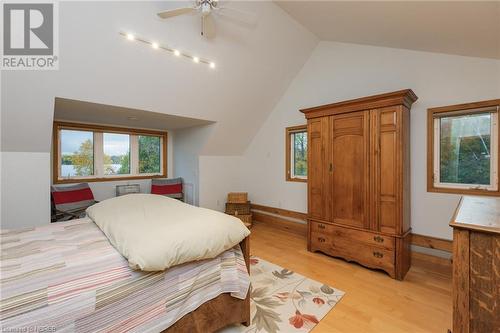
288,148
430,146
58,125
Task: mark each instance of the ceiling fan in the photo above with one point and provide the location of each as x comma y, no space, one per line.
207,9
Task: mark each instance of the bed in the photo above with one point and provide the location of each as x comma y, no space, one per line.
68,277
219,312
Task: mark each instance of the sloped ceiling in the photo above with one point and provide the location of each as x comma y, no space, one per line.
71,110
255,64
469,28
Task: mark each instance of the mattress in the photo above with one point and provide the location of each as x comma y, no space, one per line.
67,277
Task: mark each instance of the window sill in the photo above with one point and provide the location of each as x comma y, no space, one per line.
483,192
105,179
298,180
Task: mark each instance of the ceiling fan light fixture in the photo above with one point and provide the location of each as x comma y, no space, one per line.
155,45
177,53
206,9
196,59
130,37
212,65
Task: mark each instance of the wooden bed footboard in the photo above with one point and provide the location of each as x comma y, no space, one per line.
219,312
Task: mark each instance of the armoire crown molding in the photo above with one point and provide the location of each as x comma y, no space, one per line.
404,97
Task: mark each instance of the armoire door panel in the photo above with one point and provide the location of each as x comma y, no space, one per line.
348,179
350,142
318,182
386,166
387,118
349,124
387,216
388,163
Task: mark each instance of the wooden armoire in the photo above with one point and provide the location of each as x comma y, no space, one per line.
359,180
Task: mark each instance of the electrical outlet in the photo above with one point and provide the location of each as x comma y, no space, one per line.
218,203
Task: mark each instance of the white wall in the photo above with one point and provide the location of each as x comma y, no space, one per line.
19,206
188,145
255,64
219,175
338,71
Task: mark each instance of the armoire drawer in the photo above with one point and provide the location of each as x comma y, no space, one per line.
367,237
351,250
321,241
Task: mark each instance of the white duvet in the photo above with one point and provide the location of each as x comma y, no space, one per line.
155,232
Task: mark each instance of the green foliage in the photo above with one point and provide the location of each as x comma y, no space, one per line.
125,165
83,159
108,168
467,162
465,149
67,159
122,160
116,159
300,154
149,154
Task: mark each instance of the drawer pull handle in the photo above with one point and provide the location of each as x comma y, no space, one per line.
378,239
321,226
378,254
321,239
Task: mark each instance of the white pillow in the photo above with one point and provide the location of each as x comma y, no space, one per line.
155,232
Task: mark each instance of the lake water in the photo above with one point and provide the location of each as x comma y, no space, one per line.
69,170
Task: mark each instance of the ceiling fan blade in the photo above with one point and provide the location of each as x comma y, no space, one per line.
207,26
176,12
238,15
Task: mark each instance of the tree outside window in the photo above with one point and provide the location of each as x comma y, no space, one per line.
296,153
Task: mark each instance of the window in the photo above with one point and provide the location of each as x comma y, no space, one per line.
77,153
149,154
116,153
296,153
463,149
98,153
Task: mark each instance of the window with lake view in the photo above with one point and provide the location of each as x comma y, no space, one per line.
116,153
77,153
84,153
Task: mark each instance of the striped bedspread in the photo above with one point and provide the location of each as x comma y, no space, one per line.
66,277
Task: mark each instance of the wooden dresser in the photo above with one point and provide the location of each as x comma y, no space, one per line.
476,265
359,180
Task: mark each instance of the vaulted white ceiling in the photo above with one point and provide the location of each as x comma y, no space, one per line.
470,28
255,64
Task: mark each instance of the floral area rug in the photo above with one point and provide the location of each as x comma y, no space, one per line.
284,301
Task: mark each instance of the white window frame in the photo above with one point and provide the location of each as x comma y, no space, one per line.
493,186
98,144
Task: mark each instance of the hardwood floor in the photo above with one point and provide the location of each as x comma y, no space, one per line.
373,302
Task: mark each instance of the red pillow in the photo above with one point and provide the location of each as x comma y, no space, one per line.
166,189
